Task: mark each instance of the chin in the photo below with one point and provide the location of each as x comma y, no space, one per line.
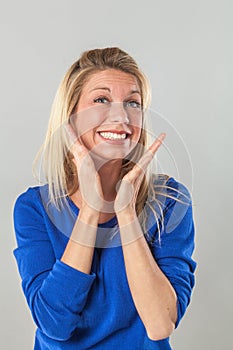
108,155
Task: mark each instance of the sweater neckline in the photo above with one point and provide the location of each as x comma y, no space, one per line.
110,223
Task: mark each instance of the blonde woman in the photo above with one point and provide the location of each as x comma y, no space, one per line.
104,248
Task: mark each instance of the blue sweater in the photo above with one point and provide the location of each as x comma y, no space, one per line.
74,310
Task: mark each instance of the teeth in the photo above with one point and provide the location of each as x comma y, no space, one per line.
112,136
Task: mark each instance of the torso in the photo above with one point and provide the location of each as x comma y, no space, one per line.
103,217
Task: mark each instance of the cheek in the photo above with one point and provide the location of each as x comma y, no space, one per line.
87,120
137,135
136,125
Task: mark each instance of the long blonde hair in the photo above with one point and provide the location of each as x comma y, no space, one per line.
58,167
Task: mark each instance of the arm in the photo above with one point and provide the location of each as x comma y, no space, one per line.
160,279
80,248
153,294
56,292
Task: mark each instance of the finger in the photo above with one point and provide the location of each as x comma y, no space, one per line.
80,153
155,145
136,174
77,147
70,131
145,160
140,167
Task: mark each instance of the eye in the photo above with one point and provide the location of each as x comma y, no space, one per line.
101,100
133,104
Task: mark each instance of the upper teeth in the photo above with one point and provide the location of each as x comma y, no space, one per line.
112,135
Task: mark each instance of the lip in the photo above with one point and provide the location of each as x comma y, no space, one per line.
115,131
113,142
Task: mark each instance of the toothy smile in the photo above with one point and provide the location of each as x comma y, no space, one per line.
112,135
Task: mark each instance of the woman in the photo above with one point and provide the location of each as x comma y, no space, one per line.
82,294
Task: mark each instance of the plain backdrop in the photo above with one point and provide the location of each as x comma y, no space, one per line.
185,48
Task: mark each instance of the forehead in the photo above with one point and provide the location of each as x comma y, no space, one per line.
113,79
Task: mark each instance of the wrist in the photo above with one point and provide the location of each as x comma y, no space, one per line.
130,228
126,216
89,215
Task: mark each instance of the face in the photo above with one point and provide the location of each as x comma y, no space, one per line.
108,118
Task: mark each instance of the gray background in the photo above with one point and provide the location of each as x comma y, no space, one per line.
185,48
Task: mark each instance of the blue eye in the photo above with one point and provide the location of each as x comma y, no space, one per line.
133,104
101,100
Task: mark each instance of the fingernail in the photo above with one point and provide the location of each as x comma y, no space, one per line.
162,136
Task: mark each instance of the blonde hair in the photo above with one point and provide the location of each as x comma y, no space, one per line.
58,167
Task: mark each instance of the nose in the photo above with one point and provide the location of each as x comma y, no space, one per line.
118,113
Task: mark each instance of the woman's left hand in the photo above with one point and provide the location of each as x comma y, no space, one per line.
125,201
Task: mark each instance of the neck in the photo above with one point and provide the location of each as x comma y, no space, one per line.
109,175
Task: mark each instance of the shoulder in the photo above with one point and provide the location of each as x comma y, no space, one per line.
30,192
31,198
34,208
168,204
168,190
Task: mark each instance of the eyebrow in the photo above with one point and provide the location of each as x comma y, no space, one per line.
107,89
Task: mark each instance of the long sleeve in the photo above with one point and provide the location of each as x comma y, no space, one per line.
56,293
95,311
173,252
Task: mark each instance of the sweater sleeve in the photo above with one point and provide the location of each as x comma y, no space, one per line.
173,252
56,293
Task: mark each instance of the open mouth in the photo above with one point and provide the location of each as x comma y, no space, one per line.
108,135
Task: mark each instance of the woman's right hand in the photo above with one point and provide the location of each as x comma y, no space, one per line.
88,178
